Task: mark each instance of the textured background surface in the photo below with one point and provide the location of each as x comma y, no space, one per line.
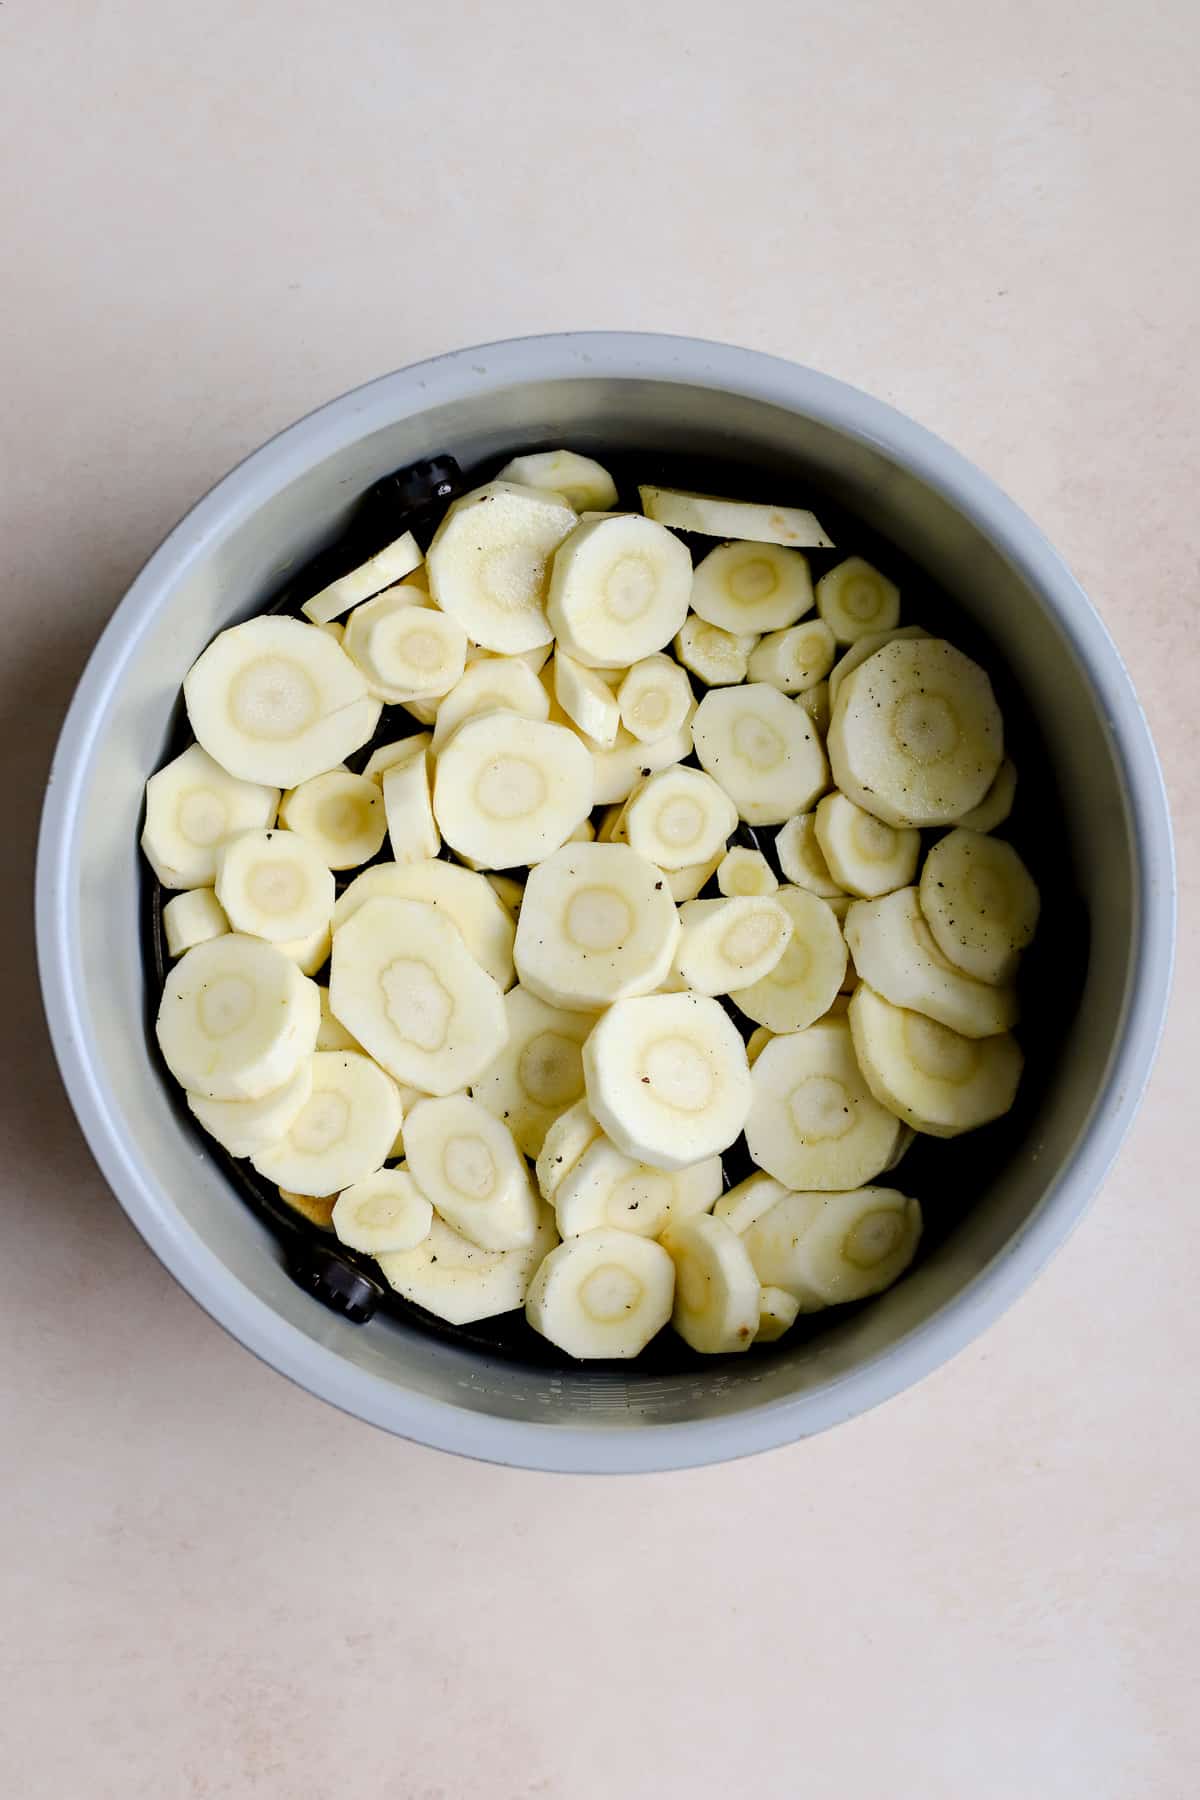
213,218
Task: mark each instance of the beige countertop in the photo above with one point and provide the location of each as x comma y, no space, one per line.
216,216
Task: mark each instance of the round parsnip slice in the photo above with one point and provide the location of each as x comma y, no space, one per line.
192,806
854,598
404,983
618,770
858,1244
405,647
762,749
679,817
539,1072
331,1033
276,701
916,736
466,898
741,871
618,590
386,1211
493,684
606,1188
235,1018
244,1126
936,1080
587,700
340,814
815,702
489,563
744,1204
728,944
866,856
863,647
802,859
667,1078
565,1141
981,904
602,1295
804,982
997,803
654,698
717,1292
388,755
814,1124
408,808
467,1165
796,659
342,1133
583,483
193,918
510,790
714,516
896,954
455,1280
777,1313
752,588
717,657
274,885
597,924
388,565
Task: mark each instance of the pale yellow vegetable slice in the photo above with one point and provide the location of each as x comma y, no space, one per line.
274,885
866,856
796,659
859,1243
489,563
603,1295
654,698
235,1018
539,1072
980,902
509,790
385,1211
762,749
276,701
587,700
717,657
896,954
802,859
730,944
618,591
403,982
678,818
814,1123
391,564
457,1281
597,924
495,683
749,587
667,1078
408,808
468,899
244,1126
341,814
916,736
583,483
193,918
342,1133
997,803
713,516
815,702
936,1080
743,871
855,598
566,1139
192,806
865,646
805,981
407,650
466,1163
717,1291
402,751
